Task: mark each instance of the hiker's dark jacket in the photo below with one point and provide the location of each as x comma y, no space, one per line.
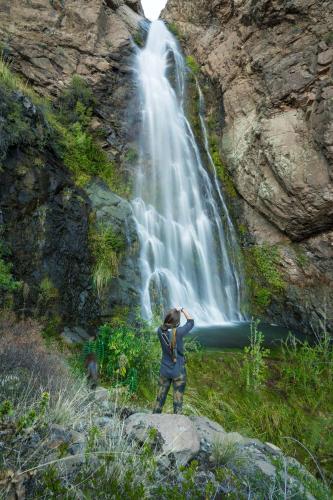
168,367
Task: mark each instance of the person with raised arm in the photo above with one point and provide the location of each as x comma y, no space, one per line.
172,369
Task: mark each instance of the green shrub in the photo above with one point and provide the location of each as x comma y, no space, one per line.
48,293
125,355
254,370
8,284
138,39
76,102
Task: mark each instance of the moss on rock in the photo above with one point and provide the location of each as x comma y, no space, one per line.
263,276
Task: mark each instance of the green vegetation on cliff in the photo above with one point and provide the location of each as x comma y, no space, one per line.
8,284
221,171
62,126
263,276
106,246
193,64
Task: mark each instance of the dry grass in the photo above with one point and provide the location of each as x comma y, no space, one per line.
23,351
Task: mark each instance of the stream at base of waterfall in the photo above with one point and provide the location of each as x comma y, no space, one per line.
189,254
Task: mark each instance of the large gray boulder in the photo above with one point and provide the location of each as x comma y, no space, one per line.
178,434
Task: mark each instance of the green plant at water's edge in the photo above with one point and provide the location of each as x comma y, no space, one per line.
107,247
263,276
254,370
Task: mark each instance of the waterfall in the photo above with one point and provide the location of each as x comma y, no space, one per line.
188,247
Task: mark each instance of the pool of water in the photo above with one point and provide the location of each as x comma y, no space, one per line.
236,335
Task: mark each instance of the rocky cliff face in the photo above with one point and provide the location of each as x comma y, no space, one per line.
272,62
45,215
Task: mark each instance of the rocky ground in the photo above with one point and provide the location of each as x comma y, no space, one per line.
187,457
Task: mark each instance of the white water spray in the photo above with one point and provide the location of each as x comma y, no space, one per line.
188,246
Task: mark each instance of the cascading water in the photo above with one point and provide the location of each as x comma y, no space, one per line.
186,249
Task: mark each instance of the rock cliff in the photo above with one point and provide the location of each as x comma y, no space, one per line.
271,63
46,217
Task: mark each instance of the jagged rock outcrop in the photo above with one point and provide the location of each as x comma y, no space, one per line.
180,439
273,63
48,42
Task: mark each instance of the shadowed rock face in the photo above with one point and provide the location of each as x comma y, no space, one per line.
273,63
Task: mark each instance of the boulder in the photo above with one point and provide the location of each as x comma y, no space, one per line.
178,434
208,431
75,335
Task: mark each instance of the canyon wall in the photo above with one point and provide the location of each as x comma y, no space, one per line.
271,65
46,215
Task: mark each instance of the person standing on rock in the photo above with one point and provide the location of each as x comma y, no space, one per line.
172,368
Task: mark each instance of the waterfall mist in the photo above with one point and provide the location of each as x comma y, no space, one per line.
188,249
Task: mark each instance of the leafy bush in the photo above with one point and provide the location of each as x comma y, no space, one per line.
126,355
84,157
7,282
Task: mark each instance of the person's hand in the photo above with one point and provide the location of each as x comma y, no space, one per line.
179,309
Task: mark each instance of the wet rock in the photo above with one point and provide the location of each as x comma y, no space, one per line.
113,211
